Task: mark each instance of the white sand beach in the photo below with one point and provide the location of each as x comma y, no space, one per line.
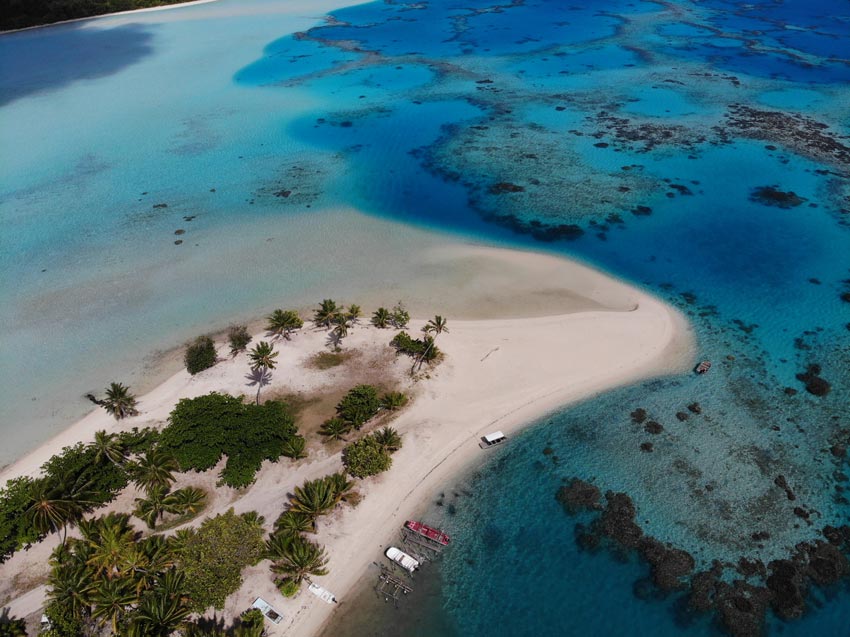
587,333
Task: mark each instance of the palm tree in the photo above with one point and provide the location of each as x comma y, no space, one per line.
354,313
294,448
108,447
283,323
314,498
254,519
180,539
335,428
157,616
189,500
292,523
394,400
70,586
342,487
112,598
158,503
11,626
326,313
388,439
262,359
111,541
296,557
155,468
435,326
119,401
381,318
340,330
56,503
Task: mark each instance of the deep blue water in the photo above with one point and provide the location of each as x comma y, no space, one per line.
616,126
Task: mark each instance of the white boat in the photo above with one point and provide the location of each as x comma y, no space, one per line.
322,593
493,439
402,559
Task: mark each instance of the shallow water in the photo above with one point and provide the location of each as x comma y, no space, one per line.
637,136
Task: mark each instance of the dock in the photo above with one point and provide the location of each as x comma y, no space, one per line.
390,586
423,548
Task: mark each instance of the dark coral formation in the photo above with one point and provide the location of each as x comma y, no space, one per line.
741,602
578,495
772,196
796,131
815,385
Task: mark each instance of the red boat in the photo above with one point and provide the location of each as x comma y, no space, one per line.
426,531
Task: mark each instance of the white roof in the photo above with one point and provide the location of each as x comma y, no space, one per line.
493,437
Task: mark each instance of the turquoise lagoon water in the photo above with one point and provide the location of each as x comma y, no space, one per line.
635,136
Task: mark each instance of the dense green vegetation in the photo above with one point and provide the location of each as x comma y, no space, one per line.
213,556
204,429
359,405
112,580
200,355
17,14
371,455
135,586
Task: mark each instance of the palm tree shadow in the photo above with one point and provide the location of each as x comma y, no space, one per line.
51,58
259,377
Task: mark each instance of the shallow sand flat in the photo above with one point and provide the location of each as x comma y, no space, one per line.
498,373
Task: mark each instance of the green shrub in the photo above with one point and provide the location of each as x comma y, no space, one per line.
201,430
359,405
78,464
416,348
15,529
400,316
365,457
213,558
200,355
288,587
238,337
391,401
138,441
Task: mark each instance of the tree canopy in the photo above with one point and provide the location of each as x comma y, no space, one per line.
201,430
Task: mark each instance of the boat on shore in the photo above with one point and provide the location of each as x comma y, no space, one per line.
402,559
492,440
429,532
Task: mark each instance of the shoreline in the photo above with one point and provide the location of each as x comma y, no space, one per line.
501,373
109,15
371,528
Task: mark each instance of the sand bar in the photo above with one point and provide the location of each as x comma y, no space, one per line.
500,373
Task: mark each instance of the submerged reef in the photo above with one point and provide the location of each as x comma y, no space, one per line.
740,594
772,196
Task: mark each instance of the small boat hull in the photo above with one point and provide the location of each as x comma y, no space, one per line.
401,558
435,535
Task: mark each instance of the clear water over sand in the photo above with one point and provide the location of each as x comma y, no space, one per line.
659,142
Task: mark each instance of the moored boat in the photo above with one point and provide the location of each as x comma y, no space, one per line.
428,531
703,367
402,559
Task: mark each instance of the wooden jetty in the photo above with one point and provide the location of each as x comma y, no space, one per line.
390,586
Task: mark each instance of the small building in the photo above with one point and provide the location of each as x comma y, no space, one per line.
266,609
